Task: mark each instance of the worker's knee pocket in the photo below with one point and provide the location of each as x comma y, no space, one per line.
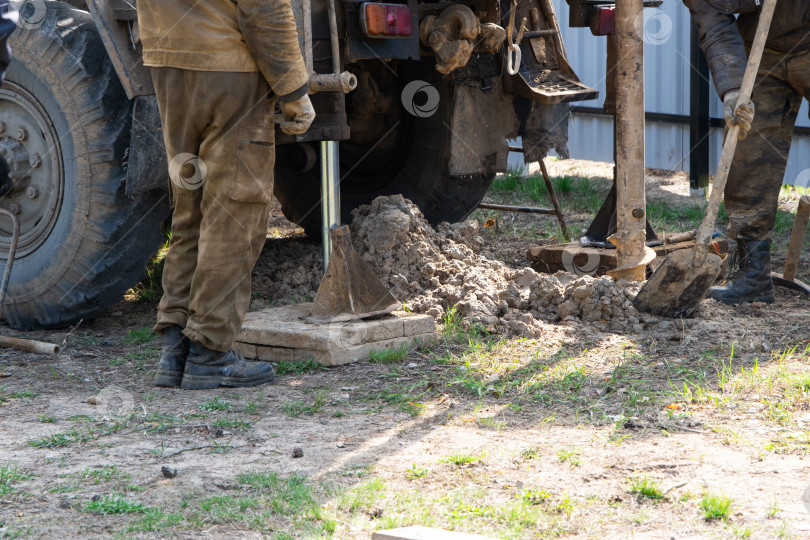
255,157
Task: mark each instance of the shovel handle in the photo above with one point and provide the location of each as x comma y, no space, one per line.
732,136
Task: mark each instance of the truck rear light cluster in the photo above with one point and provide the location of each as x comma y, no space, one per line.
603,21
386,20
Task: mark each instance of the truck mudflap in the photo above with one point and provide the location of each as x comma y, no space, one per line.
485,116
147,166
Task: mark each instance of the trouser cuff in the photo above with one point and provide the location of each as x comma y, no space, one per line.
193,335
166,320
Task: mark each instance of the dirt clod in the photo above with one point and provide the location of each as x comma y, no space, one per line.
298,452
168,472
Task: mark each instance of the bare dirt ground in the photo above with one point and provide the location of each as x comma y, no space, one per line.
696,429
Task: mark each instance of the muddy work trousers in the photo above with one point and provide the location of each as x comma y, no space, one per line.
218,129
752,192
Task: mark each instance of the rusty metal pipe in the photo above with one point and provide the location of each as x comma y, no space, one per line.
29,345
554,201
334,82
630,238
797,238
517,209
333,37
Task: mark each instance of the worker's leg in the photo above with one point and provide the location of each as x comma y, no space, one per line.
237,149
184,117
183,122
756,176
752,191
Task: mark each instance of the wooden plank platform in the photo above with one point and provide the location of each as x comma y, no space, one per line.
281,334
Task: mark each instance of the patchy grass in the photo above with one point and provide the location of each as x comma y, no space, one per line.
10,476
114,504
416,472
297,368
215,404
139,336
646,488
388,356
300,407
570,455
461,460
715,507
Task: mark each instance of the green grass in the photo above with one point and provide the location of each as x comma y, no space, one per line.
463,459
114,504
104,474
139,336
715,507
666,217
57,440
150,289
532,452
363,496
646,488
570,455
297,368
9,476
416,472
229,423
23,394
46,418
216,404
388,356
300,407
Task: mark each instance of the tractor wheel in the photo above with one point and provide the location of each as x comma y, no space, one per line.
65,130
391,151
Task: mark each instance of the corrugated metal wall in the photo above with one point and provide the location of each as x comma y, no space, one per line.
667,72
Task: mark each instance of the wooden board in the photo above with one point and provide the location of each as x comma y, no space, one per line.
281,334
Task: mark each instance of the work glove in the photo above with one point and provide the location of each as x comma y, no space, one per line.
298,115
741,115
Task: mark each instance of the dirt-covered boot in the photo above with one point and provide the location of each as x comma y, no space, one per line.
172,357
207,368
752,282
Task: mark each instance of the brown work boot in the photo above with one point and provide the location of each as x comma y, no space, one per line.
753,281
207,368
172,357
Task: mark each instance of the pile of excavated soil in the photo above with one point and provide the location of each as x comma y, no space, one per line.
433,270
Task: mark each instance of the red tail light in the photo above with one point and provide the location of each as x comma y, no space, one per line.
603,21
386,20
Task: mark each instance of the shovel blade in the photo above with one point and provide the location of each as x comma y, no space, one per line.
679,284
349,289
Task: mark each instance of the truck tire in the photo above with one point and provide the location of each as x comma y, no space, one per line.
66,117
415,164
